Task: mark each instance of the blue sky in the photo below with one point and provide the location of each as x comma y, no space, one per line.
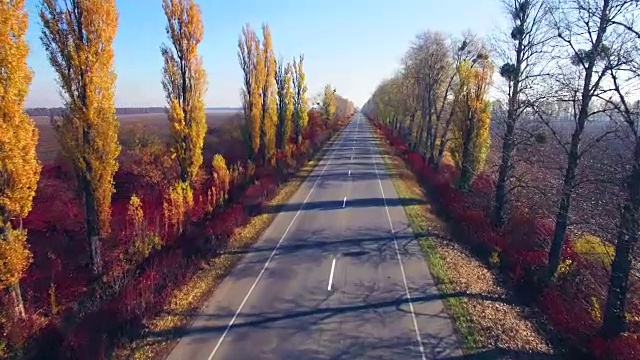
352,44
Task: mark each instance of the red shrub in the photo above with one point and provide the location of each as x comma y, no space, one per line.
624,347
222,226
483,183
398,144
58,242
55,193
416,162
56,230
569,314
569,306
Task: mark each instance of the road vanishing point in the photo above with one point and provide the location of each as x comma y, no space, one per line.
337,275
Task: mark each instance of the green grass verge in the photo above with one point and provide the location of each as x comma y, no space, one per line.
422,219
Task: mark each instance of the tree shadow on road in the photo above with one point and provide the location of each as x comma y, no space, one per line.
338,204
351,330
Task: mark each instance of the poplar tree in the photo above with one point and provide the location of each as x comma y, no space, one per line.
471,137
250,61
184,83
78,38
328,103
285,103
266,76
300,102
19,165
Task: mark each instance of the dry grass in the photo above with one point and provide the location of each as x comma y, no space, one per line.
486,319
191,295
154,123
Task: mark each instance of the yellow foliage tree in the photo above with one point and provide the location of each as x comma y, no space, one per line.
135,216
285,103
19,165
78,38
184,83
470,133
249,57
143,241
300,102
266,74
177,201
15,257
328,103
221,176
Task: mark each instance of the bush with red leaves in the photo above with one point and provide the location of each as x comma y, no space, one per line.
57,237
571,306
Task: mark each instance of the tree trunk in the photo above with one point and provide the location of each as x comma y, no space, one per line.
420,136
396,125
279,131
466,171
429,133
184,167
504,171
443,141
297,129
432,141
16,295
414,140
615,321
93,233
466,166
562,216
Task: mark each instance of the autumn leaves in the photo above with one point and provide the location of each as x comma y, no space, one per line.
273,97
79,43
184,83
19,165
439,101
78,39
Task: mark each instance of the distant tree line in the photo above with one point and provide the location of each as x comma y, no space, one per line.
58,111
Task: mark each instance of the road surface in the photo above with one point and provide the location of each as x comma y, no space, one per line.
337,275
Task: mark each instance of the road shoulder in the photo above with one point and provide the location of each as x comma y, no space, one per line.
486,319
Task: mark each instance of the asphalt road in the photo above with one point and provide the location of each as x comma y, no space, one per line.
337,275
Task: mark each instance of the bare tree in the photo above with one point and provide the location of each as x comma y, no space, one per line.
625,85
523,51
468,47
412,80
587,32
430,64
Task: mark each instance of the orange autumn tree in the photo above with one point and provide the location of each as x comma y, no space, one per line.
266,74
285,102
472,117
250,59
19,165
184,83
328,103
300,101
221,177
78,38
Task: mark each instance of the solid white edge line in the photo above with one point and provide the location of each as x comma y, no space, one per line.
404,277
333,266
246,297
